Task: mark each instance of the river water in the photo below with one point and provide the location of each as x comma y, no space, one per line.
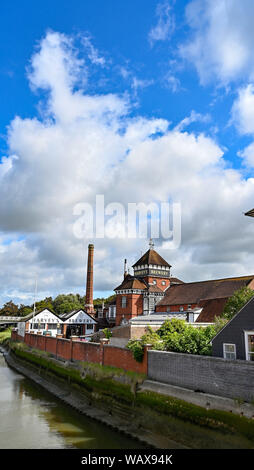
31,418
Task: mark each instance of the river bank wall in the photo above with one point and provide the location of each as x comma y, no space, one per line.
233,379
120,400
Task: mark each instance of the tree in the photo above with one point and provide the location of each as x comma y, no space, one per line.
9,309
45,303
237,301
171,326
24,310
65,303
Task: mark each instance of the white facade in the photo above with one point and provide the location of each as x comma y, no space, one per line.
81,317
45,321
111,311
21,328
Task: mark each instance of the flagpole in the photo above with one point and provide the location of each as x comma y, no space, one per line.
35,295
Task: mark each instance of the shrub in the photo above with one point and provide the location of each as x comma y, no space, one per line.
237,301
107,332
137,345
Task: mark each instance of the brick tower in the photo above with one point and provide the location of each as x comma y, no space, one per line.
138,294
89,281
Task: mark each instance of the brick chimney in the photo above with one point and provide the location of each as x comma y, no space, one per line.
89,281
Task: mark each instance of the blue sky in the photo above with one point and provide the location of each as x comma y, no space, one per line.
176,78
120,31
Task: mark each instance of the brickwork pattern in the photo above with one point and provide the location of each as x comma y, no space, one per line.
71,350
232,379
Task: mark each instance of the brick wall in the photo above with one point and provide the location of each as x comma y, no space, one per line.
87,352
99,353
233,379
63,349
123,358
16,337
134,307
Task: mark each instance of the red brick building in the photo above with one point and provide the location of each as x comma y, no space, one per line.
206,297
152,290
139,294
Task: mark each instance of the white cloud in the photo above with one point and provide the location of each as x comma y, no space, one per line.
172,82
165,24
221,44
86,145
242,115
248,155
93,53
193,117
140,84
243,110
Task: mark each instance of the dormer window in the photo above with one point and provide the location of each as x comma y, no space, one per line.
163,283
154,282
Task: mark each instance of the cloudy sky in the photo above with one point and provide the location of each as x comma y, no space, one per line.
139,102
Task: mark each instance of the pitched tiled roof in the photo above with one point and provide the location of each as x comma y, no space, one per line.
210,309
66,316
31,314
193,292
152,257
131,282
154,288
175,280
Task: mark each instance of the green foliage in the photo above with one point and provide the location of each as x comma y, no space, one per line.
9,309
214,419
191,340
5,335
137,345
171,326
107,332
177,336
65,303
24,310
237,301
98,301
137,348
45,303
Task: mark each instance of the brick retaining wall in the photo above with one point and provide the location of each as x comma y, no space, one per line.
123,359
71,350
232,379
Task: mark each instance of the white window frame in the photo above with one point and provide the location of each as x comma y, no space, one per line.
124,302
247,353
231,353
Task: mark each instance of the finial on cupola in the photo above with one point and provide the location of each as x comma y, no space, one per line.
125,268
151,244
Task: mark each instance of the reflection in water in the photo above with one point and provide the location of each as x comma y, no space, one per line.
30,418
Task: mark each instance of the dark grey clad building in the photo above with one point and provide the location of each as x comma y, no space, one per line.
236,339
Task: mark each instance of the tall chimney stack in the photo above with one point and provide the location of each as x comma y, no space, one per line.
89,281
